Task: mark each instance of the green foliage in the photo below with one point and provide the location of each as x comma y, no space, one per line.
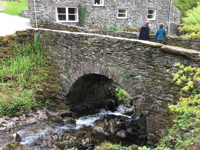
127,74
81,14
109,146
122,93
193,16
47,102
187,110
36,78
133,74
17,77
192,31
185,5
46,76
25,63
144,148
115,28
189,78
21,103
15,8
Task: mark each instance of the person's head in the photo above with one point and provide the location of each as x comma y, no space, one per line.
161,25
147,22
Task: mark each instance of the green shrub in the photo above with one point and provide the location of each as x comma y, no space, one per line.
122,93
143,148
192,31
186,110
115,28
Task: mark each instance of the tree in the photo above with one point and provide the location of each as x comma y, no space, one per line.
193,16
185,5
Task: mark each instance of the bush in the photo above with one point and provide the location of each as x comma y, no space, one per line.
187,110
192,31
115,28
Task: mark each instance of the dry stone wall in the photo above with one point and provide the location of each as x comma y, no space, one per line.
79,54
102,16
6,46
169,40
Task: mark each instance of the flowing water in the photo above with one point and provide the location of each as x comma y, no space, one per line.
32,134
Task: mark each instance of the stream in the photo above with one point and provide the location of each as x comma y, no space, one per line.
114,126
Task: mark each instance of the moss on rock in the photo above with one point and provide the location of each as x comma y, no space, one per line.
15,146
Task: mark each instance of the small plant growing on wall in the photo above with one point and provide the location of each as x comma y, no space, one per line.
115,28
81,14
122,93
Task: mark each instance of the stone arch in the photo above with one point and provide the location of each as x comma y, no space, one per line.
109,78
78,70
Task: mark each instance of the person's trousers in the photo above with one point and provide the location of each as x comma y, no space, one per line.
160,41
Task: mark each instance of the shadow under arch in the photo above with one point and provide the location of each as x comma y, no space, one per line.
92,92
77,74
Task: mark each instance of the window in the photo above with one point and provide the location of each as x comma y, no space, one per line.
151,14
67,14
122,13
98,2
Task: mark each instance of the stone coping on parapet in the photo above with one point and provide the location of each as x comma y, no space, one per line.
172,49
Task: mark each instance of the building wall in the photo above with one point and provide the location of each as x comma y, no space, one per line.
102,16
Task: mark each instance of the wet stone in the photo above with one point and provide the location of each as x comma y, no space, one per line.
98,130
31,120
121,134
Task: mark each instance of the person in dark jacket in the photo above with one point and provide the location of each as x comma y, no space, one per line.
160,33
144,32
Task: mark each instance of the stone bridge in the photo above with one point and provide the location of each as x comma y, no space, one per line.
91,66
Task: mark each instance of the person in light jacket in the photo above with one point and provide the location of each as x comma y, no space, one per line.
160,33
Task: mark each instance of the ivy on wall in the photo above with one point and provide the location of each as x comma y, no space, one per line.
81,14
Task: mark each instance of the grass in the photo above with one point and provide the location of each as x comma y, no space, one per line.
19,78
15,8
2,4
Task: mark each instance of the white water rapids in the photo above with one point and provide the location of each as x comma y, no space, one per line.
34,133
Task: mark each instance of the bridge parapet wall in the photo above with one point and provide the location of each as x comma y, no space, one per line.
169,40
79,54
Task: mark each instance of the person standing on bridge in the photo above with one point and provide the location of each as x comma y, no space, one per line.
160,33
144,32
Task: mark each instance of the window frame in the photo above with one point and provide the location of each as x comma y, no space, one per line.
67,14
101,1
122,13
152,14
